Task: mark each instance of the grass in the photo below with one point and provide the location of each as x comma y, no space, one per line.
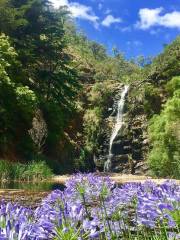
160,233
33,171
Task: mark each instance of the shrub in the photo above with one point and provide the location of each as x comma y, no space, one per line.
164,131
173,85
5,170
92,127
99,98
37,171
152,100
34,171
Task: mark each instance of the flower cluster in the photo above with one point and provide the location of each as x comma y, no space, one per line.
93,207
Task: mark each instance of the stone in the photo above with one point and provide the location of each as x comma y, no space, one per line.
127,149
117,149
137,154
138,165
145,142
131,144
121,158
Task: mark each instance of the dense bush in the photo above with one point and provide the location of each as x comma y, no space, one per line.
34,171
100,97
173,85
164,131
92,127
35,74
17,102
152,100
166,65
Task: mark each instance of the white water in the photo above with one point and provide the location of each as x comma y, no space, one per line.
117,126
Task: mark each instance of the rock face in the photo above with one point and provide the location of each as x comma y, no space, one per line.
130,147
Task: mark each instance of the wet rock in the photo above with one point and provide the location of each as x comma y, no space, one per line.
131,145
121,158
118,169
127,149
145,142
139,165
137,154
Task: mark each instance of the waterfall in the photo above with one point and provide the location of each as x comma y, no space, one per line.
117,126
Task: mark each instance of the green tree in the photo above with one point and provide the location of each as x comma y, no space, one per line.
164,131
41,45
166,65
17,102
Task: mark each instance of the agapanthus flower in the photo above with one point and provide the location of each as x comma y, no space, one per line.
92,207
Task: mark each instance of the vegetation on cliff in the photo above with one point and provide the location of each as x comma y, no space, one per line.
164,131
164,103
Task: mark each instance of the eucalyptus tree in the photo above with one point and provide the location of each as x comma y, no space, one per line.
36,31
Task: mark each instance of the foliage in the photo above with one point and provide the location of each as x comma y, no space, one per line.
92,127
5,170
100,94
164,131
152,100
37,74
17,102
173,85
92,207
83,162
99,99
34,171
166,65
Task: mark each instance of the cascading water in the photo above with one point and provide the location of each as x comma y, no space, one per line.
117,127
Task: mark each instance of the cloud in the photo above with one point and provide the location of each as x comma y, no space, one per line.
171,20
83,12
60,3
108,11
156,31
110,20
78,10
125,29
151,17
148,17
134,43
100,6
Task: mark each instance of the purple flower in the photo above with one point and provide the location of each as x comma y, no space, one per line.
91,206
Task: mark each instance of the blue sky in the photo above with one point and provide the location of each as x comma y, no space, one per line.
136,27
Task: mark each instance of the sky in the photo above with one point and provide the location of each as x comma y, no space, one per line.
135,27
